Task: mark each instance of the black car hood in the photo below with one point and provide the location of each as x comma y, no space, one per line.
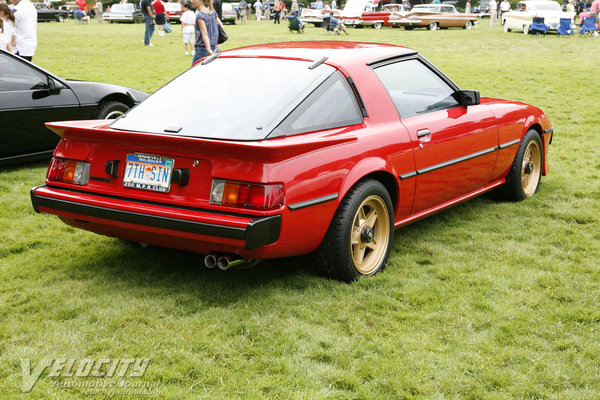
93,92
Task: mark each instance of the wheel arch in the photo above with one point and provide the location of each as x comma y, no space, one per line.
376,169
538,128
120,97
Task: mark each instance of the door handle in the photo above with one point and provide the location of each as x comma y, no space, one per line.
423,132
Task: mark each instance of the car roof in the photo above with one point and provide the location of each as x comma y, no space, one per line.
345,54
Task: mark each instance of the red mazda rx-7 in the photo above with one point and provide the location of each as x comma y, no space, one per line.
345,143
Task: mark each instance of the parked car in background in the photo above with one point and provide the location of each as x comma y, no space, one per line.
434,16
31,96
229,13
482,9
123,12
45,13
346,143
174,11
521,18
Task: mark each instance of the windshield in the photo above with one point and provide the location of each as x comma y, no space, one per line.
551,6
420,8
224,99
122,8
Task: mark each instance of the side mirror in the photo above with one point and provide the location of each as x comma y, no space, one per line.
54,87
467,97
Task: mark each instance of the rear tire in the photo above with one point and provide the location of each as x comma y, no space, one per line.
468,25
526,29
377,25
111,110
360,236
432,26
523,179
60,18
506,28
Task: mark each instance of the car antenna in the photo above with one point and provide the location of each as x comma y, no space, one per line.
210,59
318,62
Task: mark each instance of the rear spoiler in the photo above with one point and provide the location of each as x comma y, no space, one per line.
277,149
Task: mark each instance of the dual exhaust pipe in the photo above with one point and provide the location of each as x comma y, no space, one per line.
226,262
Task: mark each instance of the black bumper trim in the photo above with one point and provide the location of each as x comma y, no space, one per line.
258,233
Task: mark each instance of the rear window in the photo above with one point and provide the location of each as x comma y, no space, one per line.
233,99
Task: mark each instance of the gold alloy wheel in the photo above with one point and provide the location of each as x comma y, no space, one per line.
530,169
370,234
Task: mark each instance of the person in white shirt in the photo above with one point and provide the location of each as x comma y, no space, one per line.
493,10
504,7
258,9
8,30
25,28
188,28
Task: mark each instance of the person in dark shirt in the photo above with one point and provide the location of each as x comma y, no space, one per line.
148,14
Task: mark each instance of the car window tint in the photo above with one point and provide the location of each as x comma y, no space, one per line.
332,105
218,100
414,88
17,75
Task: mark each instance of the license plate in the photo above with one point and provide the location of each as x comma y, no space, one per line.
148,172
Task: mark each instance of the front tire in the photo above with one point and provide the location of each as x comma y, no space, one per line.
111,110
433,26
377,25
506,28
468,25
526,29
360,236
60,18
523,179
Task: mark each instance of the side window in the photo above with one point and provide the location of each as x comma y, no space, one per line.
19,76
331,105
414,88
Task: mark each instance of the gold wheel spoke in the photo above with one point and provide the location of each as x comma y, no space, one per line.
371,217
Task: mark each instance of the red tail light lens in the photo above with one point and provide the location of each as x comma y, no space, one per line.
247,195
69,171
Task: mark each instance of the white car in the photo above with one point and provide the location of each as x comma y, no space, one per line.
521,18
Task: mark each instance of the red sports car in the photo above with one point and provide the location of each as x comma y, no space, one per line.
347,142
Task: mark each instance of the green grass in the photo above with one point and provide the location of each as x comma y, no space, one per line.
486,300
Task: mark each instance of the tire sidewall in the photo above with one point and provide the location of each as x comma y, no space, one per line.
105,109
343,263
514,177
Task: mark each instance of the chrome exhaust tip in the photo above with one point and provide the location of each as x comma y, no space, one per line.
210,261
224,263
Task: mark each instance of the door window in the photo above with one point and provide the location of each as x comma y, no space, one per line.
414,88
19,76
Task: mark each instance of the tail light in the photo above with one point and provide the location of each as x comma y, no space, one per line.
69,171
246,195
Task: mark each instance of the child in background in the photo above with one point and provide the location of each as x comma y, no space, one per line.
4,45
188,31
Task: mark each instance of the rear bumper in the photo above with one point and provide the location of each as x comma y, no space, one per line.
186,223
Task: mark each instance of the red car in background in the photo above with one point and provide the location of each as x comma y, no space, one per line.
173,11
348,142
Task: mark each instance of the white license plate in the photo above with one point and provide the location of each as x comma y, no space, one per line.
148,172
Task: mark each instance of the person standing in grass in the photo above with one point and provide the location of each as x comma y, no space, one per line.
25,34
99,11
207,30
148,14
257,9
504,7
493,12
159,16
277,11
468,7
188,21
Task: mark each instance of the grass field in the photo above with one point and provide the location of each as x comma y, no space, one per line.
486,300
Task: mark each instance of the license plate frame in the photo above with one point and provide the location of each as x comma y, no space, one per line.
148,172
